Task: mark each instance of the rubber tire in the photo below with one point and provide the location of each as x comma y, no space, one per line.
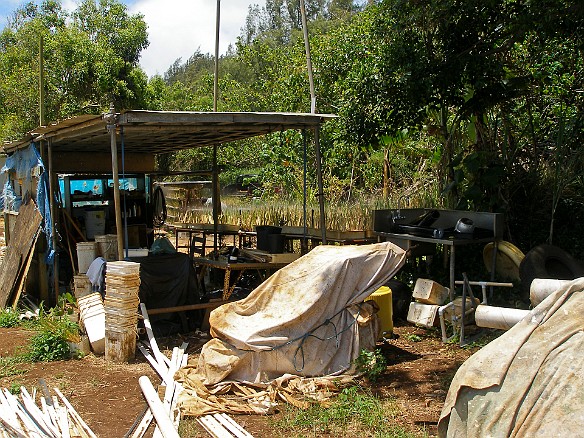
547,261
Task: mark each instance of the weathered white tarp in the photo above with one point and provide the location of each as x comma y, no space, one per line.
530,381
307,319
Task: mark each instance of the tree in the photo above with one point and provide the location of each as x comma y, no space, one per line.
90,57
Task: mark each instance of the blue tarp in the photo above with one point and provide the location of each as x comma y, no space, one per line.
22,162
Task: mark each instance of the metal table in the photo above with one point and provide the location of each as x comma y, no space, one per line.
493,223
405,241
240,268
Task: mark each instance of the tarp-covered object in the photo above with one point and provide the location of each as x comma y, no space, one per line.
307,319
530,381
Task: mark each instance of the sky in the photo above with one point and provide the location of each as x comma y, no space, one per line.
176,28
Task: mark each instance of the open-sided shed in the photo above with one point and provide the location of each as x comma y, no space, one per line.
104,144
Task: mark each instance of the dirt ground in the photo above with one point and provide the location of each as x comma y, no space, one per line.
109,399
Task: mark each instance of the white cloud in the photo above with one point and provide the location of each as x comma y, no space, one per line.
177,28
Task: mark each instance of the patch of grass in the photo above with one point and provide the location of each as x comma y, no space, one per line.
15,388
9,366
189,427
483,340
355,412
9,318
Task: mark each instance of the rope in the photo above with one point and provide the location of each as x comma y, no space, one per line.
160,212
310,334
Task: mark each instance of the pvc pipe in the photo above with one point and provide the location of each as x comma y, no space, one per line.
541,288
502,318
441,311
162,419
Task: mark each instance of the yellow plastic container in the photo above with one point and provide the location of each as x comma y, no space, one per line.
382,297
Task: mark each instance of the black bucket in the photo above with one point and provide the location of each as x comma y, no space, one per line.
276,243
263,233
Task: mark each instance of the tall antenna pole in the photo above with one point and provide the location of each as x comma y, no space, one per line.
216,75
216,192
308,60
41,83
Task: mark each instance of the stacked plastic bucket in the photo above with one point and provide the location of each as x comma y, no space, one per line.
92,315
122,284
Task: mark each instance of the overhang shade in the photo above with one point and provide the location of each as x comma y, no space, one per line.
156,132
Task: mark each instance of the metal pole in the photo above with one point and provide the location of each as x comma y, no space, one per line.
320,184
216,74
216,200
54,217
41,83
308,60
304,245
216,194
111,126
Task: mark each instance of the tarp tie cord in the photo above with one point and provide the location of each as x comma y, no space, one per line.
310,334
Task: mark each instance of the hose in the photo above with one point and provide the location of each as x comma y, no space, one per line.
159,206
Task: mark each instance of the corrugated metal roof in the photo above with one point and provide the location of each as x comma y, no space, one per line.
154,132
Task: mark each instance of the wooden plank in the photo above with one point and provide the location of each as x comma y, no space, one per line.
215,429
160,358
142,427
162,419
233,426
186,307
26,227
22,274
75,416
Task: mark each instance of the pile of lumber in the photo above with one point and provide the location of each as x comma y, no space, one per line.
55,418
165,411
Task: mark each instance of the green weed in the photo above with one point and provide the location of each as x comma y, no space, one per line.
54,331
412,337
9,318
371,363
9,366
15,388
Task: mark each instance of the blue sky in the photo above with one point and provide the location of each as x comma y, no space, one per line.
176,28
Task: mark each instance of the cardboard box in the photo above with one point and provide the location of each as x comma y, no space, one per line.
429,292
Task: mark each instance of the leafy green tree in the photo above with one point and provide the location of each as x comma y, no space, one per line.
90,60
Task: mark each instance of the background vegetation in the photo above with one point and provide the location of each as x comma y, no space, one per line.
473,104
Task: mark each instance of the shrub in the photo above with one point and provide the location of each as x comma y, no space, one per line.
9,318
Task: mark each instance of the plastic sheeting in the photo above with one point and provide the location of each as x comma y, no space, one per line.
22,162
168,280
529,381
307,319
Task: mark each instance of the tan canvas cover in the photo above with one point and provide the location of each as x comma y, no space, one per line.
307,319
530,381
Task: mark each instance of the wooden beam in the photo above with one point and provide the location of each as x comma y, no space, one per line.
96,162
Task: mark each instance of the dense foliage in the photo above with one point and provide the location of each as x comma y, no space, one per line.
471,104
90,59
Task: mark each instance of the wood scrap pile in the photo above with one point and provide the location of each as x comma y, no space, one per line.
165,412
254,398
22,417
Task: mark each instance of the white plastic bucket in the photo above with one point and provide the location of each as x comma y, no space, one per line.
107,246
94,223
86,253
